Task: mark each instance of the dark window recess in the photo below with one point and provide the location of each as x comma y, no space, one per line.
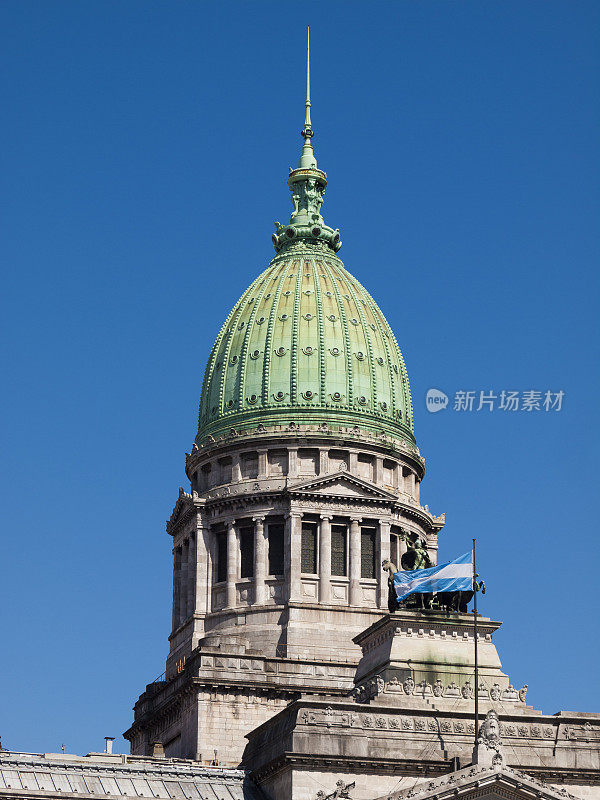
221,557
247,552
367,553
309,548
276,548
338,549
394,549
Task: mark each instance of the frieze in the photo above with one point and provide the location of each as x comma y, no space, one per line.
369,689
582,733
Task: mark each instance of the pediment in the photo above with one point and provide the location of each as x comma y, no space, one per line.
181,511
482,783
341,484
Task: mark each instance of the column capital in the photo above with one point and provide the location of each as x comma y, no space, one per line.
326,516
259,518
293,514
231,525
355,518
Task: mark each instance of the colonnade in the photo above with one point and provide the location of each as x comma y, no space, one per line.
195,571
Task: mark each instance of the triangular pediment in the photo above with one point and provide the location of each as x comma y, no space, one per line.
180,511
482,783
342,484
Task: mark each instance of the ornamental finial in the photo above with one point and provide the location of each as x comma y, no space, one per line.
307,159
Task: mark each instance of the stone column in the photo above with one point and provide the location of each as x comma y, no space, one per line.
191,580
292,462
384,552
231,565
355,596
291,556
323,461
176,584
378,476
262,463
236,469
417,491
260,561
325,559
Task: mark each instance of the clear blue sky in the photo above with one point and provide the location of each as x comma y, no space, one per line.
145,148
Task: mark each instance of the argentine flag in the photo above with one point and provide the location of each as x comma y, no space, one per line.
453,576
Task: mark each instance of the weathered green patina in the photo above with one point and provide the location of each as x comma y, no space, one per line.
306,343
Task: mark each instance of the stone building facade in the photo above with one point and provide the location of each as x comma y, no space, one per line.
285,655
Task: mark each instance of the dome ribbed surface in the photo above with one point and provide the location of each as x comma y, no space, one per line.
306,343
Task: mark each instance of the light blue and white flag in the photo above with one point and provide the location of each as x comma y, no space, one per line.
453,576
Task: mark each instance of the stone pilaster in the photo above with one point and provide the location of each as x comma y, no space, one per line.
353,463
323,461
383,553
262,463
378,476
355,596
231,565
260,561
176,584
236,469
191,577
292,462
183,596
325,559
203,570
292,553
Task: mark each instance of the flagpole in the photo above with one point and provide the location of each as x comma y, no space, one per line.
475,643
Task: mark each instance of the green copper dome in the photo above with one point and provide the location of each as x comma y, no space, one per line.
306,343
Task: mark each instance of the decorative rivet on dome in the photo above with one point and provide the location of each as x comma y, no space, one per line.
308,292
287,294
380,361
362,401
307,274
327,294
308,395
354,321
360,356
396,368
346,296
252,399
336,396
250,301
260,321
332,317
254,354
234,359
241,325
283,317
267,296
335,351
213,410
281,351
384,406
308,351
279,397
372,326
230,404
308,317
218,365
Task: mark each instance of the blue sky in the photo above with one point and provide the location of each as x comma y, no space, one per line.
145,152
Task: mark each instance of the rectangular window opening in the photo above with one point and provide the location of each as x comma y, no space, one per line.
221,557
275,539
247,551
309,548
367,552
338,549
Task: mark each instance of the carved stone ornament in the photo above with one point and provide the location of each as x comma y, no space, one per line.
488,751
438,688
409,686
495,692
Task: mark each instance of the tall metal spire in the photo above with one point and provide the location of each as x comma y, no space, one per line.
307,159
